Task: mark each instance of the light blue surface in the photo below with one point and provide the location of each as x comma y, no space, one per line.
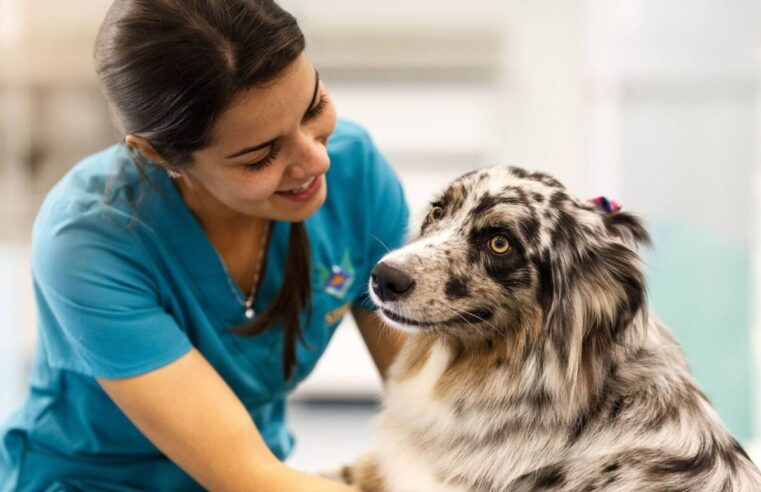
700,286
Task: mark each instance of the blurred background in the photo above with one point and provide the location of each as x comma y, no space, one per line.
656,103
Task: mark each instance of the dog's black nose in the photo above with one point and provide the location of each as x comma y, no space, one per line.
389,283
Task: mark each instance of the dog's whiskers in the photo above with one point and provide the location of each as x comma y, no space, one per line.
383,326
461,312
382,243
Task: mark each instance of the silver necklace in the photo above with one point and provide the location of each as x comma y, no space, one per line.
248,302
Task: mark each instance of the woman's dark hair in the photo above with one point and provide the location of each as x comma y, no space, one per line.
170,68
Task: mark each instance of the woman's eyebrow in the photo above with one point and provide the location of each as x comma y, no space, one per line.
250,149
267,144
316,91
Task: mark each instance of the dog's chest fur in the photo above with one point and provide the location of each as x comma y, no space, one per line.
427,438
436,435
411,401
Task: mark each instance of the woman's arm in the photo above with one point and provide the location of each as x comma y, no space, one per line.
189,412
382,341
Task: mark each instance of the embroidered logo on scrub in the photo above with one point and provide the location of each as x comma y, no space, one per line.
337,280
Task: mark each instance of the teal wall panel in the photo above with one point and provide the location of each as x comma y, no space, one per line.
700,286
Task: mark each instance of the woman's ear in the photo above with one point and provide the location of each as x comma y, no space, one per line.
144,147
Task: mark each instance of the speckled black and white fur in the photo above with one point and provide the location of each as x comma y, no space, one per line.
538,368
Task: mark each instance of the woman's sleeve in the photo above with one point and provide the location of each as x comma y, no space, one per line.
387,215
97,297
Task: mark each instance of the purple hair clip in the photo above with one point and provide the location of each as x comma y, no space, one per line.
606,205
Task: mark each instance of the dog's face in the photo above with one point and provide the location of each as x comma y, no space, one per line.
503,251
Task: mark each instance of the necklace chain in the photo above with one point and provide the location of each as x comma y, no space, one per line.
248,302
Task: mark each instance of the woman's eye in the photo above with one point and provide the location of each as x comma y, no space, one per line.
499,245
435,214
266,161
317,110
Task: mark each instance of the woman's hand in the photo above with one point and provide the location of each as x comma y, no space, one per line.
188,411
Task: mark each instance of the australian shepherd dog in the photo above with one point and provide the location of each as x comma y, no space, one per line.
531,360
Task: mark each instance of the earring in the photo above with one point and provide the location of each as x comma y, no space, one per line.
173,174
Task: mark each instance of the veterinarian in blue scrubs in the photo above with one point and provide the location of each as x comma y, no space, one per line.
189,277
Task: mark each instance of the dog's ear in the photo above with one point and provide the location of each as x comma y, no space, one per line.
622,225
590,301
626,227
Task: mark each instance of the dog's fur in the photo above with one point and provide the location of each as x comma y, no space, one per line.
541,368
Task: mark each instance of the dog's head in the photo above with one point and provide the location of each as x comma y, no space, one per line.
507,253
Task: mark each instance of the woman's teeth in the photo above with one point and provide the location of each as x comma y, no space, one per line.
301,188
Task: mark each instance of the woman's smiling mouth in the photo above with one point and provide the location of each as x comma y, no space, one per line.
303,192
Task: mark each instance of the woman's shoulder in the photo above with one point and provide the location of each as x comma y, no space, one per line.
363,188
348,131
357,166
104,183
95,181
351,143
88,205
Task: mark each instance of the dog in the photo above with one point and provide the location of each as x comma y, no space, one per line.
531,361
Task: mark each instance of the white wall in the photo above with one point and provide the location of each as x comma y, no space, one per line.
16,312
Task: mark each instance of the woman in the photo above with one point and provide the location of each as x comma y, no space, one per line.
189,277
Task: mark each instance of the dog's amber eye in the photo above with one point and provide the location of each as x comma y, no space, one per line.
499,245
435,214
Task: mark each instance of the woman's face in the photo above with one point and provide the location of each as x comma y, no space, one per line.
268,158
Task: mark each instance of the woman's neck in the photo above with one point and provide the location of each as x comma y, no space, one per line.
219,222
237,238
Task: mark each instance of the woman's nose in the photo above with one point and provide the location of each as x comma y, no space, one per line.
310,160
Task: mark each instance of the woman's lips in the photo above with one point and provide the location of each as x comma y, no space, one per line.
303,195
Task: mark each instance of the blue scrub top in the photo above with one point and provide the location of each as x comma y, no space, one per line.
129,283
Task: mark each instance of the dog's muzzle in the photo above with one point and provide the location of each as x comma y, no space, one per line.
390,283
